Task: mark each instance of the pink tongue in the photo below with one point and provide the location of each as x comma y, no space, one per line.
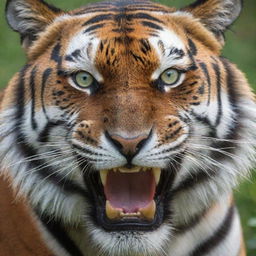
130,191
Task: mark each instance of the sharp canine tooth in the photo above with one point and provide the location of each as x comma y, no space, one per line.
149,211
157,174
111,212
103,176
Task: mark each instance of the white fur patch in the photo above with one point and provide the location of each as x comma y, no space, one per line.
167,59
88,46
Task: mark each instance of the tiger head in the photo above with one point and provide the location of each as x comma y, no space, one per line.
125,121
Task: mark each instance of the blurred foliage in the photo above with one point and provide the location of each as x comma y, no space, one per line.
240,48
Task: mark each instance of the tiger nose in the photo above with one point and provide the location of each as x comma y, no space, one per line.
128,146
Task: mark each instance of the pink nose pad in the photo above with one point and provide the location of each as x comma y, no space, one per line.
128,146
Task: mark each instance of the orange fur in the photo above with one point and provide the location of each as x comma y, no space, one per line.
19,234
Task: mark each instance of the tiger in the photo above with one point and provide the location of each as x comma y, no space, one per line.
125,132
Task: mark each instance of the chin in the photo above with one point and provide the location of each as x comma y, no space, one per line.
130,243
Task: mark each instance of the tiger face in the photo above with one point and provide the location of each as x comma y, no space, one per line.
127,119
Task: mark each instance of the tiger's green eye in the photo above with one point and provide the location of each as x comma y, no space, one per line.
170,76
83,79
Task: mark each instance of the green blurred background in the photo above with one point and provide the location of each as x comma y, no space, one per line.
240,48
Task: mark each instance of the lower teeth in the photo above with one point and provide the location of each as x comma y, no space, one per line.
137,214
147,212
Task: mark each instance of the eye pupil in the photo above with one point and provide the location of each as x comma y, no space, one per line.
169,74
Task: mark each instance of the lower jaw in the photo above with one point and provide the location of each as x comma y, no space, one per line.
130,224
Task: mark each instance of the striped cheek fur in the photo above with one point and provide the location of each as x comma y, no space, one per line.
126,131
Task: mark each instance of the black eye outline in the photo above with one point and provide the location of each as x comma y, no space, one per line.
162,85
92,88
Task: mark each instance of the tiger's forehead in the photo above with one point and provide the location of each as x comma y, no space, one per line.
120,16
125,31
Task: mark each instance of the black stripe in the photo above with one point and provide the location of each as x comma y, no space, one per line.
178,52
69,58
32,89
44,134
74,55
194,179
107,10
204,120
94,10
60,234
20,96
197,3
149,9
93,27
123,30
45,77
87,151
137,58
192,47
217,237
145,46
122,3
145,16
201,91
98,18
206,73
55,55
191,223
67,106
195,103
231,84
218,84
151,25
193,65
174,133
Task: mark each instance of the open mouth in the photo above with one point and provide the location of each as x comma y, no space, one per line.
130,192
128,199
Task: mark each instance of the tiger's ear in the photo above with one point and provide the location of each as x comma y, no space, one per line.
216,15
29,18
